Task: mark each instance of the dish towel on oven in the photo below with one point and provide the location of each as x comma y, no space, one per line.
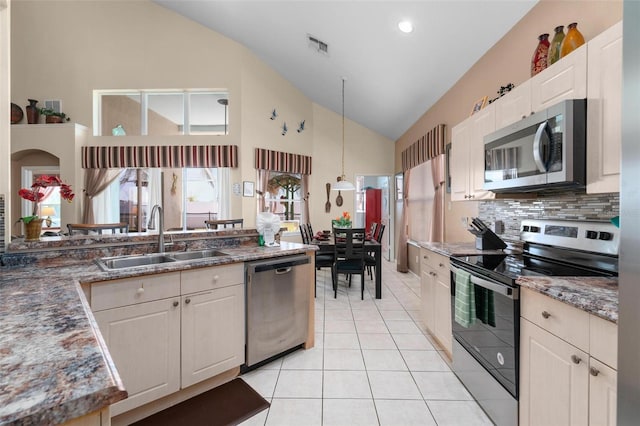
465,304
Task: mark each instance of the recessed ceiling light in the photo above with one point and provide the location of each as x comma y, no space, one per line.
405,26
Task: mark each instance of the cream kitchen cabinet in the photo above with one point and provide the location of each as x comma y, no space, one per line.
554,379
604,111
514,106
435,296
467,155
169,331
212,333
144,341
561,381
566,79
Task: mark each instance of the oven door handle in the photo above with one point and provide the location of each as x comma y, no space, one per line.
510,292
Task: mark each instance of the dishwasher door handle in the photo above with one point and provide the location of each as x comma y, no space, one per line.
281,271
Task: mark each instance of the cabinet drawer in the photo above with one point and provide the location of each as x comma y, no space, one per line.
203,279
603,340
568,323
129,291
436,261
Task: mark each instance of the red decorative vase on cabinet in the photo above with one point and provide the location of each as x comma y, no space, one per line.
539,60
572,40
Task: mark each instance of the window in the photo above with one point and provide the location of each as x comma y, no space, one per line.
188,196
284,198
161,112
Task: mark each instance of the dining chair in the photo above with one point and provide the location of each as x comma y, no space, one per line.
97,228
223,223
372,229
369,258
323,259
349,254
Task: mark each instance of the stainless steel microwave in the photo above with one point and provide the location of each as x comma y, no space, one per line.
545,151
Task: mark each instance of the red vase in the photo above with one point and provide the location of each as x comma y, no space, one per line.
539,59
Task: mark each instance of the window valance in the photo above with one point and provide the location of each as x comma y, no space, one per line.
427,147
266,159
109,157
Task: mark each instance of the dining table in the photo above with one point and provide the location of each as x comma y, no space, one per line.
326,243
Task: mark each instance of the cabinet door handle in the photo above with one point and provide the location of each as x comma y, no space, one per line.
175,303
576,359
187,301
441,265
545,314
594,371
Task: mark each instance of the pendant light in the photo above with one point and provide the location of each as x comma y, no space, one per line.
224,102
343,184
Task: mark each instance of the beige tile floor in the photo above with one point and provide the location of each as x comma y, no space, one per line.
373,364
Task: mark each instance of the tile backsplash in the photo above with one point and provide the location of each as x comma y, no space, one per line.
566,205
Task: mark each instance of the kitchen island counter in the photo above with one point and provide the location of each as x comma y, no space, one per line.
54,365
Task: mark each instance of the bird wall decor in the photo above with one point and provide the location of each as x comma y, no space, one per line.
301,126
284,128
274,114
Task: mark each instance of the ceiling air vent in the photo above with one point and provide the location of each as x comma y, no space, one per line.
318,45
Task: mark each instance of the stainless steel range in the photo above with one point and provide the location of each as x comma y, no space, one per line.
486,343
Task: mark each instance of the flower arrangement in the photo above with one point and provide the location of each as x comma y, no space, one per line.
36,194
343,221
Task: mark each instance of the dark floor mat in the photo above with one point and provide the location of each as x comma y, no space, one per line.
228,404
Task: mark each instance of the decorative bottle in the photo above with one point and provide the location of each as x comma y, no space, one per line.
554,49
33,113
572,40
539,59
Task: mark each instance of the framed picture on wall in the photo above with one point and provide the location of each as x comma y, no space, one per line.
478,105
247,189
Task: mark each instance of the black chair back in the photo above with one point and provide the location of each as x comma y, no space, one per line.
349,243
380,231
304,233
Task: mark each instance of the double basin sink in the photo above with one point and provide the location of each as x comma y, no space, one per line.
134,261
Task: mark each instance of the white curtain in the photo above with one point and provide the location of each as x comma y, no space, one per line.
224,192
155,190
106,205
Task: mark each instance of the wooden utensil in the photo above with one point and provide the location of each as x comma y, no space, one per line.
339,199
327,205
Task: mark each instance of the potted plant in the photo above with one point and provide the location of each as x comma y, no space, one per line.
53,116
33,223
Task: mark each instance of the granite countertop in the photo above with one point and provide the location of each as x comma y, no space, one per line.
596,295
54,365
456,249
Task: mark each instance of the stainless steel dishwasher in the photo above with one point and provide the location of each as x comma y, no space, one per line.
278,293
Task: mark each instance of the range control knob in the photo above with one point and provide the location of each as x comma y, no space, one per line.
525,228
605,236
534,229
592,235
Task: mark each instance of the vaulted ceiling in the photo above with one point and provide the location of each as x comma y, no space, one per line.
392,78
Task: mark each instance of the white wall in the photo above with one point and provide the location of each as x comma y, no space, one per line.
66,49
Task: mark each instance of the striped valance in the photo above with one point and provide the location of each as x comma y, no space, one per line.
120,157
282,161
428,146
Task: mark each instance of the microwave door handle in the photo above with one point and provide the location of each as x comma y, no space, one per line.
537,146
504,290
